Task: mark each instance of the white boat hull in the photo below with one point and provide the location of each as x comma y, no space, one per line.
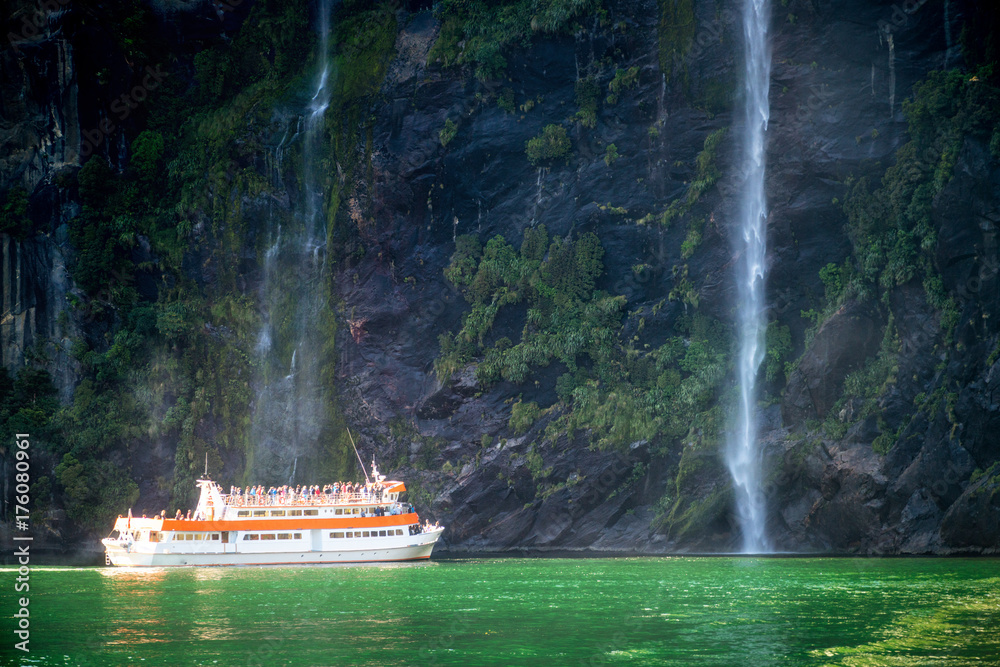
363,550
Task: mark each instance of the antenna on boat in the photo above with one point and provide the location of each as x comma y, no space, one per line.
358,455
206,465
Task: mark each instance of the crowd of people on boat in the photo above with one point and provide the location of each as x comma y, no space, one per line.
391,510
339,492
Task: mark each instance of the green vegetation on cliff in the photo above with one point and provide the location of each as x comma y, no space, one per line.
551,144
890,223
676,32
14,213
174,361
706,175
618,393
894,236
479,32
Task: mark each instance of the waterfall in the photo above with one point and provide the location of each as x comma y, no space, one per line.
314,125
947,33
289,412
742,453
892,76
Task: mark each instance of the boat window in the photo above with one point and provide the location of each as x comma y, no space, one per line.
259,513
215,536
399,531
381,533
350,534
251,536
267,536
339,511
365,534
311,512
154,536
298,536
284,536
277,512
337,535
294,512
243,513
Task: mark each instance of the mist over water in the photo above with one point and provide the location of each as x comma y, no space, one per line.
288,414
743,453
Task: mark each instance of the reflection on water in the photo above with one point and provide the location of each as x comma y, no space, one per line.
138,574
661,611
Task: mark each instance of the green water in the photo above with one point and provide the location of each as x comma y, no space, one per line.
664,611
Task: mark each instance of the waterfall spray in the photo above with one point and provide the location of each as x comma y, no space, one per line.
289,413
743,455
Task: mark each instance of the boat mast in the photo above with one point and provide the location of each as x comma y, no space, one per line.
360,462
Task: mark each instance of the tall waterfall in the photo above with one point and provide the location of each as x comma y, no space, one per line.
743,455
288,416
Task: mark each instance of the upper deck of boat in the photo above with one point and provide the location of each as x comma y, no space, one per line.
387,495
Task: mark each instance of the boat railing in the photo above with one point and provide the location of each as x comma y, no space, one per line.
300,500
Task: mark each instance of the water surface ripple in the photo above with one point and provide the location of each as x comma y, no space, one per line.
551,612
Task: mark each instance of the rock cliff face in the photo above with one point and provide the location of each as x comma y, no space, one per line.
909,468
34,305
837,92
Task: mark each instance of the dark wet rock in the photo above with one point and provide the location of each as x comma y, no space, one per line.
842,344
973,520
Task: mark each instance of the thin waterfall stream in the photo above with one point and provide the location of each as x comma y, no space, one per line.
288,414
743,455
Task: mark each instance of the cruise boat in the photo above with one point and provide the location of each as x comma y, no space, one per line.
371,525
